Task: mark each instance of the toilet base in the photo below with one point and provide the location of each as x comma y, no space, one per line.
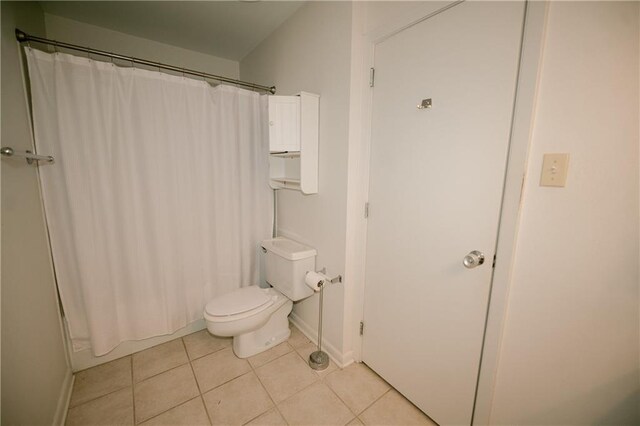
274,332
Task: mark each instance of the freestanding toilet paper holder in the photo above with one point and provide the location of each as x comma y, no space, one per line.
319,360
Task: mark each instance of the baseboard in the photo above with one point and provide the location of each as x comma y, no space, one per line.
340,359
84,359
63,399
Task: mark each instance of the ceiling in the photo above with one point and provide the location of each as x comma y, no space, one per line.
229,29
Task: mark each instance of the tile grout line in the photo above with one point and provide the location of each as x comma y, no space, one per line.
189,360
338,396
165,411
355,415
267,392
159,373
202,356
165,371
374,401
98,397
299,391
75,373
253,369
133,392
223,383
195,378
319,378
104,363
271,360
182,403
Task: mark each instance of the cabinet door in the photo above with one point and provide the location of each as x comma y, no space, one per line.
284,123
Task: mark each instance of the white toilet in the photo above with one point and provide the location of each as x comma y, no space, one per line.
257,317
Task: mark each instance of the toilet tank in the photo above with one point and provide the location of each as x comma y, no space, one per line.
286,264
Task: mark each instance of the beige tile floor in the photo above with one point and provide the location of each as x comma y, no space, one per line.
197,380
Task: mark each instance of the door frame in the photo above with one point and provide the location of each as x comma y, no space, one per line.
362,60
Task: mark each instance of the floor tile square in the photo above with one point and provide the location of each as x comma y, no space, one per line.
269,355
270,418
297,339
203,343
164,391
101,380
285,376
237,401
219,367
394,409
316,405
113,409
158,359
357,386
191,413
308,349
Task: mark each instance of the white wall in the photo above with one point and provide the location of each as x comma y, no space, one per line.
36,378
570,345
311,52
70,31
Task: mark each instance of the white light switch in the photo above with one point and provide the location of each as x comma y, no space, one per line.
554,170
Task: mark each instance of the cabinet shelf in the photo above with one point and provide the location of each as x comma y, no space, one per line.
285,154
293,142
288,183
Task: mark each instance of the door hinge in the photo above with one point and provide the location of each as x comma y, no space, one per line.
494,261
366,210
372,76
361,328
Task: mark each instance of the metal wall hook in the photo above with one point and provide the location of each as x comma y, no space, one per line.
425,104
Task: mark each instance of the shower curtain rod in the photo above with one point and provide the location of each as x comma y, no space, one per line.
21,36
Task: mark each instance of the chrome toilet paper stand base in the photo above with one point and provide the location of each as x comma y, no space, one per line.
319,360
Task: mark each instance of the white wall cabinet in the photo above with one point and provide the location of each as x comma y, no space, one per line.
293,142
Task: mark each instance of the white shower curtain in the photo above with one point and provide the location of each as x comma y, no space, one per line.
158,197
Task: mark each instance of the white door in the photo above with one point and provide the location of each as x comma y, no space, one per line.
436,181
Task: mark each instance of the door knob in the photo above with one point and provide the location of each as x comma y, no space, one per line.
473,259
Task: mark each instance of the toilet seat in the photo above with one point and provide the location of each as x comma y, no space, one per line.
238,304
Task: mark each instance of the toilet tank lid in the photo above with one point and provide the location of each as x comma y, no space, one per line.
238,301
288,249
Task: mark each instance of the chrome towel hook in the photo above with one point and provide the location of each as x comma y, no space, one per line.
7,151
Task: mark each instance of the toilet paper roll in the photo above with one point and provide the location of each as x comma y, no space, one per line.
314,280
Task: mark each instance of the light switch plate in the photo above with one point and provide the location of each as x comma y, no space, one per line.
554,170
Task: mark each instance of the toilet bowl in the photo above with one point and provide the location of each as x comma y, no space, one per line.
257,318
